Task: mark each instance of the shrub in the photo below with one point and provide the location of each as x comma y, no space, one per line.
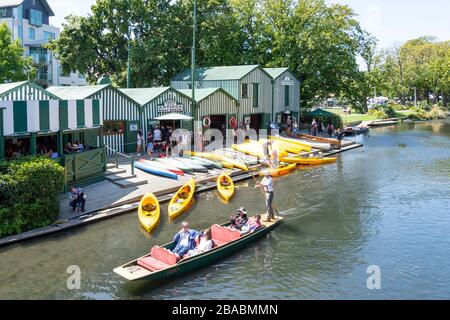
28,194
437,113
379,114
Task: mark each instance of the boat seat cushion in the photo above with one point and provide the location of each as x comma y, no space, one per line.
222,235
164,255
152,264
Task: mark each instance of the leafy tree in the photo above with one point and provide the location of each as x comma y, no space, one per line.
14,66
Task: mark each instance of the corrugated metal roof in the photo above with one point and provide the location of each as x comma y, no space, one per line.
15,3
275,72
75,92
203,93
144,95
6,87
216,73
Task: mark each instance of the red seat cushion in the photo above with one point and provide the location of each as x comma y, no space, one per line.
164,255
222,235
152,264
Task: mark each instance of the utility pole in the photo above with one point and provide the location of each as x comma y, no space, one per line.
194,106
129,49
415,97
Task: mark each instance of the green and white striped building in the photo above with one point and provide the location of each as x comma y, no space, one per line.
121,114
158,101
250,85
215,107
286,94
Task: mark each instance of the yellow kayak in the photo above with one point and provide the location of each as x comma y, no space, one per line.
225,186
280,171
149,211
285,147
227,165
307,161
304,145
182,200
252,151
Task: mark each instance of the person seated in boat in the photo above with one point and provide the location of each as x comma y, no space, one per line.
184,240
224,182
252,225
183,195
204,244
239,220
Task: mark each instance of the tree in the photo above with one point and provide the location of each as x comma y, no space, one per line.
14,66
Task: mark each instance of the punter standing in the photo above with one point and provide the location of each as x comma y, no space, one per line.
267,185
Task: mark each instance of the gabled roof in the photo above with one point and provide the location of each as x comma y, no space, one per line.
7,88
203,93
76,92
275,72
15,3
216,73
144,95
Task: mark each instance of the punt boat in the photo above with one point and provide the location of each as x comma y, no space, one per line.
161,264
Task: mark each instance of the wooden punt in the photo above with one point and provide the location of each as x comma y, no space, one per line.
132,271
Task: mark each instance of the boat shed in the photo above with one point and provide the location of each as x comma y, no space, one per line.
47,127
249,84
286,95
23,91
217,109
121,114
158,101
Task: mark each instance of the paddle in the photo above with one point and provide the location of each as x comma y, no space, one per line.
273,207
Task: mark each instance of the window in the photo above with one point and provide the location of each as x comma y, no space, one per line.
49,36
35,17
244,90
255,95
286,96
31,33
113,127
3,13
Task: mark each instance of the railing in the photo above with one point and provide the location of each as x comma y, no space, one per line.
116,158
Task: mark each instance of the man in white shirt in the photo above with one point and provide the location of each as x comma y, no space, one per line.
157,135
267,185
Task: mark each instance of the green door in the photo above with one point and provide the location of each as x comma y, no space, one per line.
130,137
265,122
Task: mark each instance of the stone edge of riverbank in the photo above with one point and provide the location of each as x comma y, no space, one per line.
129,205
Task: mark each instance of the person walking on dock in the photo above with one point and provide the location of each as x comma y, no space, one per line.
267,186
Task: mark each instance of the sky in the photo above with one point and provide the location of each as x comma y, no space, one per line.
390,21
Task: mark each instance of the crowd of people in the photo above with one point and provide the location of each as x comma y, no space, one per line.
73,148
317,127
158,140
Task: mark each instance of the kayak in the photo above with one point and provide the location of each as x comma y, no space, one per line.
227,165
149,211
160,264
199,162
308,161
176,164
221,158
194,166
148,168
286,147
164,165
216,165
225,186
280,171
182,200
315,145
250,149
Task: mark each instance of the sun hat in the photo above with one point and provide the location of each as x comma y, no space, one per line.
242,209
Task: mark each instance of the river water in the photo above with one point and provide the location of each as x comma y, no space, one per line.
386,205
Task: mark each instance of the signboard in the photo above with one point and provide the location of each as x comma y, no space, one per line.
287,81
170,106
133,127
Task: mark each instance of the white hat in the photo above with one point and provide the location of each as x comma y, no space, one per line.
242,209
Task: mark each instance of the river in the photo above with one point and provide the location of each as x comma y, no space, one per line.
386,205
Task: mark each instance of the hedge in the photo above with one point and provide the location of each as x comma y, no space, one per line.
28,194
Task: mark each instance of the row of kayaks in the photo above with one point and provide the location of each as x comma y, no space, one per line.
149,210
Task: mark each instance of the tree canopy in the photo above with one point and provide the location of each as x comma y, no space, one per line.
320,43
13,65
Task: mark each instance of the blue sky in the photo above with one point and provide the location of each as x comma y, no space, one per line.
389,20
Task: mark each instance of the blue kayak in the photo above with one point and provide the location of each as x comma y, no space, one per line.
155,170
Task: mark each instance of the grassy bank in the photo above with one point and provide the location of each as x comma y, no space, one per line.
354,117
